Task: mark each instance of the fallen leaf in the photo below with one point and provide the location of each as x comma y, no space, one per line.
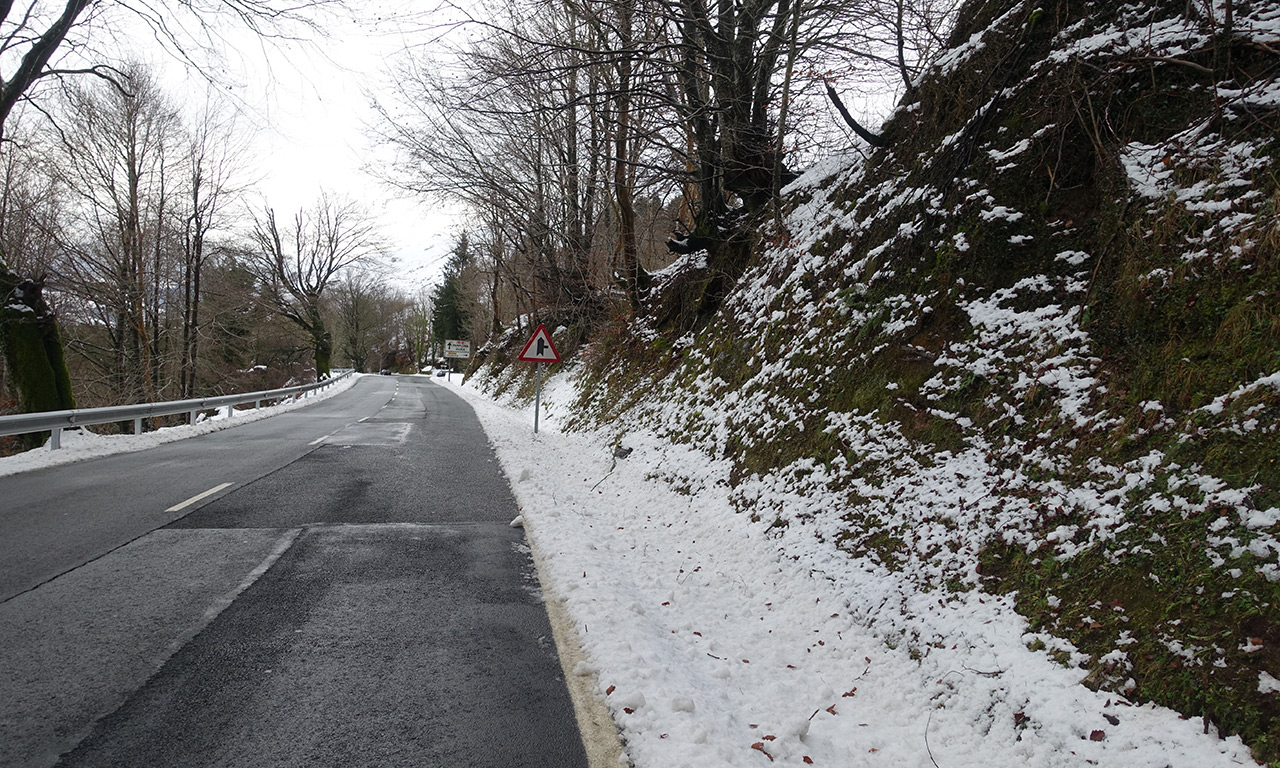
808,760
628,710
848,693
770,737
1097,735
832,709
610,690
760,746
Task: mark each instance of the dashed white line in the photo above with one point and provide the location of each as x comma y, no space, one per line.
318,440
198,497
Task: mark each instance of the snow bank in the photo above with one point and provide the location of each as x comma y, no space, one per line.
717,643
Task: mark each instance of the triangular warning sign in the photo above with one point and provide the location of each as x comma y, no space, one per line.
540,349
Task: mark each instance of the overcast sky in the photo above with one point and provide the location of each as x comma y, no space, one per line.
310,101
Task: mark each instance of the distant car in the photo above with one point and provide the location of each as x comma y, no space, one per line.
386,371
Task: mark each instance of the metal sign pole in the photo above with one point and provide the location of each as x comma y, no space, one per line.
537,400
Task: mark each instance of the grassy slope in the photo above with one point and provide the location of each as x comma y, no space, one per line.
1025,348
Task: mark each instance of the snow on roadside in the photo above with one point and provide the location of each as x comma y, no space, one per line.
83,444
714,646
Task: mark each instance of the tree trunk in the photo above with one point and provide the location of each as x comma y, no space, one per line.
321,342
622,164
32,347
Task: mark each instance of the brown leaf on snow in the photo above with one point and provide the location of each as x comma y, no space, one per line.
1097,735
808,760
848,693
760,746
610,690
832,709
770,737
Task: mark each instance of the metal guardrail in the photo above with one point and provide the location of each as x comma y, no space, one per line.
56,421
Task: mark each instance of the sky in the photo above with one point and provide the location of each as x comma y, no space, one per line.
308,104
320,135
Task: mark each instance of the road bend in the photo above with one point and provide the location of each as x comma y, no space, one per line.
335,586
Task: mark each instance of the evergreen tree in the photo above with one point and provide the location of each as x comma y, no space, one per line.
450,316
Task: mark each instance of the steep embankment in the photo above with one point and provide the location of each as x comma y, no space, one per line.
1032,347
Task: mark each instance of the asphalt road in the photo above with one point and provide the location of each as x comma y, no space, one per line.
355,597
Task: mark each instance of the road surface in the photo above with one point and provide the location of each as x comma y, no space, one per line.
349,594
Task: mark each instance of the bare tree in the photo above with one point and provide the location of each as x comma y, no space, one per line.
295,266
121,161
559,116
212,165
36,36
360,305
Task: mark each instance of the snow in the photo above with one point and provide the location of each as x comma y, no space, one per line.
82,444
716,642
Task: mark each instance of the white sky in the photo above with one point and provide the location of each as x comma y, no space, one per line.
311,103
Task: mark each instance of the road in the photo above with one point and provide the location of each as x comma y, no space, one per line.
351,594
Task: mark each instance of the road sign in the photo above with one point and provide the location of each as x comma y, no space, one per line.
540,349
457,348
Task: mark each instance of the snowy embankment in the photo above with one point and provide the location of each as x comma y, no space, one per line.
716,643
82,444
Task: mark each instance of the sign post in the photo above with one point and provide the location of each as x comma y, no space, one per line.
456,348
539,350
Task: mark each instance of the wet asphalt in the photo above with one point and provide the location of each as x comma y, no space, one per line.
361,601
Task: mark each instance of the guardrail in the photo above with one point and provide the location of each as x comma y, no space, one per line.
56,421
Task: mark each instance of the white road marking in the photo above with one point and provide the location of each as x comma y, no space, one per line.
318,440
198,497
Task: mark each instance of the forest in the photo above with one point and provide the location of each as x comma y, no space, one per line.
590,143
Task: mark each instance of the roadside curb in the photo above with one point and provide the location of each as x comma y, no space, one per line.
600,737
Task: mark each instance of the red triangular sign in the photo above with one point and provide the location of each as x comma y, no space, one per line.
540,349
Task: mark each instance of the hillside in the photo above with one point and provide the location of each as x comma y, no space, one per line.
1029,348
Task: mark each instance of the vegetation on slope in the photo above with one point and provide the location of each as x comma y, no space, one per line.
1031,346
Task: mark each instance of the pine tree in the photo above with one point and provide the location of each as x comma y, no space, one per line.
450,317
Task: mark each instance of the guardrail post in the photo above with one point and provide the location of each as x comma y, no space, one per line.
193,418
137,426
55,439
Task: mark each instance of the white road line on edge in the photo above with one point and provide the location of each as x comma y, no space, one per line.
318,440
198,497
